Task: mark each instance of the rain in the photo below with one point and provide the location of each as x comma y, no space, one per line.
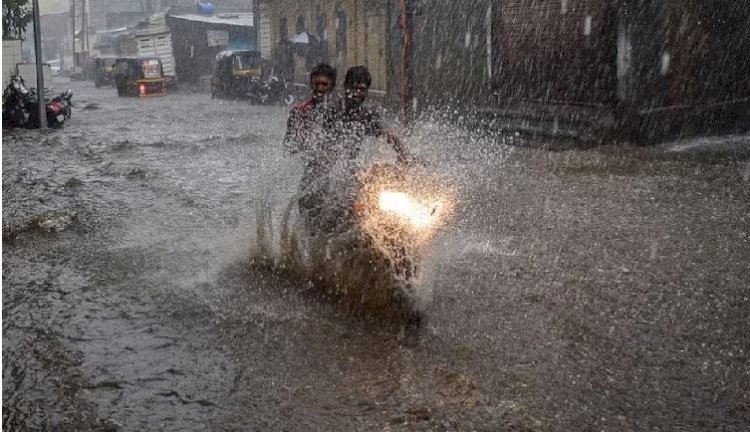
403,215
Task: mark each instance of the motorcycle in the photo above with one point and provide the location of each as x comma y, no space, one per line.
275,90
20,106
16,100
58,109
278,91
370,244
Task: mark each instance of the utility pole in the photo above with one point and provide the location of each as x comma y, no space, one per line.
406,58
73,29
84,30
42,109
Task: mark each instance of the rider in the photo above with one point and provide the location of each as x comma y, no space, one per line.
303,120
326,132
305,135
350,121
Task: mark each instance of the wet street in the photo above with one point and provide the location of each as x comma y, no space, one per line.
603,289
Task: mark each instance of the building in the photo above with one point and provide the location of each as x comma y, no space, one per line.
198,38
343,34
589,68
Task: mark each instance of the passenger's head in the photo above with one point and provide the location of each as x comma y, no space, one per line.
356,84
322,80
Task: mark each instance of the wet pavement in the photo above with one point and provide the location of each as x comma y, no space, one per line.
604,289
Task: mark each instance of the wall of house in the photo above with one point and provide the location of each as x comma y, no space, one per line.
353,33
687,67
449,52
194,58
560,50
11,57
483,52
620,59
708,44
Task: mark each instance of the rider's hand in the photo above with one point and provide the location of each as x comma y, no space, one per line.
410,160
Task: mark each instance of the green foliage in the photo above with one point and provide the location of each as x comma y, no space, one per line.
16,16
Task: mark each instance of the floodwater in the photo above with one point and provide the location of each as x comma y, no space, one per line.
602,289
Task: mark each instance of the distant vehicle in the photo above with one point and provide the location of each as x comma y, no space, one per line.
142,77
235,73
104,68
157,42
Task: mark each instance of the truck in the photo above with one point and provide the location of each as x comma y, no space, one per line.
157,42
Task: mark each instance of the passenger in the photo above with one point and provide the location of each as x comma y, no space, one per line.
305,135
303,122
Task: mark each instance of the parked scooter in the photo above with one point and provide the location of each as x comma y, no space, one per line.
16,100
20,106
59,108
274,91
278,91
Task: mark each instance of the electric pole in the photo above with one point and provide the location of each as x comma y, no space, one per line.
42,111
84,30
73,29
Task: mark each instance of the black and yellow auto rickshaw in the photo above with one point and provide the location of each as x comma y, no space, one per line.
104,71
142,77
236,73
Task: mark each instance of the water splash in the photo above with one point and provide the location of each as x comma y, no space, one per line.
371,263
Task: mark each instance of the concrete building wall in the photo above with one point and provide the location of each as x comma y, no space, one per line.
353,33
11,57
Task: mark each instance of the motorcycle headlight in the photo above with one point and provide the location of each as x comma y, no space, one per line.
418,214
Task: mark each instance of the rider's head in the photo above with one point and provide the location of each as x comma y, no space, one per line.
356,85
322,80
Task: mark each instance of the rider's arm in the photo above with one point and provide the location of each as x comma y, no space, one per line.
403,156
376,127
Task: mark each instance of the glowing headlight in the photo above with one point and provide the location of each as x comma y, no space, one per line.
402,205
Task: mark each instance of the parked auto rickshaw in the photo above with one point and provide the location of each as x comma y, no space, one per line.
236,73
142,77
104,71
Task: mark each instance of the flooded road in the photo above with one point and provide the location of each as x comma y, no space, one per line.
579,290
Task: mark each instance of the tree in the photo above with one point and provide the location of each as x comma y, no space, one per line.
16,16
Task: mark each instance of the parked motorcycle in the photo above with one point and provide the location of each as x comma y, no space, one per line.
20,106
278,91
16,100
273,91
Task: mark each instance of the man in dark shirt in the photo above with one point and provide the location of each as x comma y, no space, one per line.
350,121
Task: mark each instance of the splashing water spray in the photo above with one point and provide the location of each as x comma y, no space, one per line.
376,258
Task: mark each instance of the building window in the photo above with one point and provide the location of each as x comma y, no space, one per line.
340,38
